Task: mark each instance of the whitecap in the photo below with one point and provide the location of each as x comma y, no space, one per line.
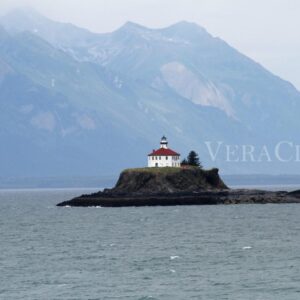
174,257
247,247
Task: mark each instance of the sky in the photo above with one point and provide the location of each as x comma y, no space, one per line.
265,30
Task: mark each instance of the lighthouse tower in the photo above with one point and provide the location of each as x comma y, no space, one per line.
164,143
164,156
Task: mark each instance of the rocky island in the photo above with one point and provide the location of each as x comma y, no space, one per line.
176,186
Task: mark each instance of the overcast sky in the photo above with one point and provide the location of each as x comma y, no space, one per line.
265,30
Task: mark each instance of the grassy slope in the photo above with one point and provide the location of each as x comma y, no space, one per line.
164,170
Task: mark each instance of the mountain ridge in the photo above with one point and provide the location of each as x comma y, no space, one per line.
120,91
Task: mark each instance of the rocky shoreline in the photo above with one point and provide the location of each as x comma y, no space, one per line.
167,187
241,196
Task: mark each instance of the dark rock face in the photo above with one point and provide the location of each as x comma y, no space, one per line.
175,186
190,198
295,194
167,180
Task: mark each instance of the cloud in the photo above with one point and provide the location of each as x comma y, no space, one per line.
44,120
86,122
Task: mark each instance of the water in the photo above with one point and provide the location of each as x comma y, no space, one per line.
195,252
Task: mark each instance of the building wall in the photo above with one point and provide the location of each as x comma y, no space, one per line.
163,161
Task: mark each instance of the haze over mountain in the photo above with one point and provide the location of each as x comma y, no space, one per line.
76,102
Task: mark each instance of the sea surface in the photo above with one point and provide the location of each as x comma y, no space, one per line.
195,252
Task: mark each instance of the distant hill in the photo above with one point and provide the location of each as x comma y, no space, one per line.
73,102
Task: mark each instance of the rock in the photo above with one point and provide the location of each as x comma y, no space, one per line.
295,194
176,186
167,180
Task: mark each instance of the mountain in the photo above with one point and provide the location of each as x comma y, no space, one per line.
73,102
28,19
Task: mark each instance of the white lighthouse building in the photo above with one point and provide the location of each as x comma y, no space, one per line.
164,156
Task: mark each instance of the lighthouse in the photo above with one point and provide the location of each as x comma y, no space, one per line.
164,143
164,156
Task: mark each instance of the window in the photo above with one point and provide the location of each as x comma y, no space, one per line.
152,157
166,157
160,158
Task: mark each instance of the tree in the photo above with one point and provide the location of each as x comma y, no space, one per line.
184,162
193,159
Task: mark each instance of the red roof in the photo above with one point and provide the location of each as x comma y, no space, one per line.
164,152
